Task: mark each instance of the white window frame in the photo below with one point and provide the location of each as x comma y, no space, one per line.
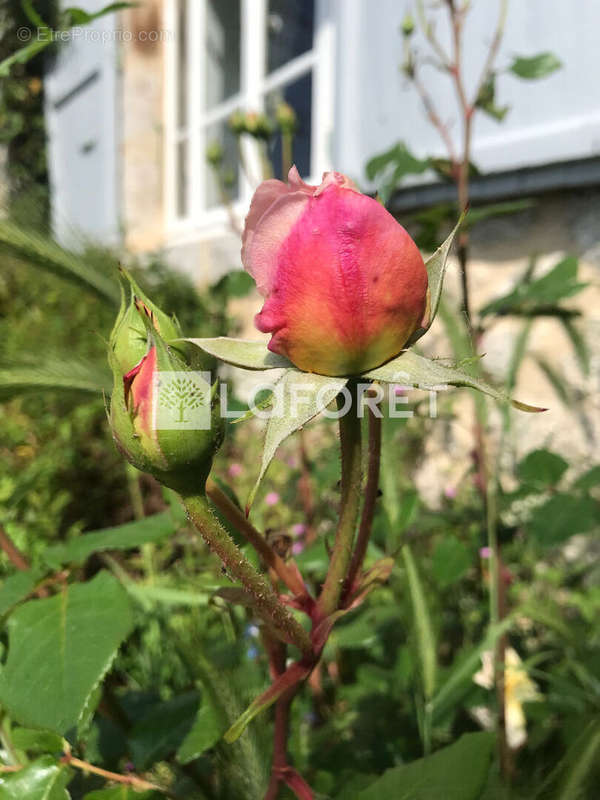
201,223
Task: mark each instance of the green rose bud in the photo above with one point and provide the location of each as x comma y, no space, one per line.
286,118
214,154
237,122
258,125
164,412
408,25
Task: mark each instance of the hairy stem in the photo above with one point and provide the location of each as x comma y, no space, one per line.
371,489
350,440
223,546
236,517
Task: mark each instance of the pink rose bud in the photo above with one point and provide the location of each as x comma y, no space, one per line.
344,284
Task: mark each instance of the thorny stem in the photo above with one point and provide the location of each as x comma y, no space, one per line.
269,557
223,546
17,559
368,512
350,440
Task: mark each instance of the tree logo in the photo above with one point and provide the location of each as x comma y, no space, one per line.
182,400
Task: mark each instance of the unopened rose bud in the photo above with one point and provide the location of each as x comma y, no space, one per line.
286,118
408,25
214,154
345,286
237,123
258,125
164,415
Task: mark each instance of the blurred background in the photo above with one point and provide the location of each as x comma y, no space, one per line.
138,135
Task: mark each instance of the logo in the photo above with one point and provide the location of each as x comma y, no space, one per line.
182,400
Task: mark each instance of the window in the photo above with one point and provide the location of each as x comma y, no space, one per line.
250,55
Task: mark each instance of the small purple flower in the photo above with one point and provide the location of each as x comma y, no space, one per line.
485,552
450,492
299,529
235,470
297,548
272,499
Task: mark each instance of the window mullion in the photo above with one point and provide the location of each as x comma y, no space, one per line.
196,102
254,29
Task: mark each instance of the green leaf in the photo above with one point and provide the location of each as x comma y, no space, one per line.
23,55
121,537
497,210
162,731
122,793
52,374
43,779
451,559
534,67
486,100
391,166
436,269
542,468
59,650
40,251
574,772
457,772
410,369
300,396
205,733
242,353
555,379
561,517
77,16
459,679
17,587
422,622
545,292
579,344
590,479
33,740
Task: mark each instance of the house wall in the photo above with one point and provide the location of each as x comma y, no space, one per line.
553,119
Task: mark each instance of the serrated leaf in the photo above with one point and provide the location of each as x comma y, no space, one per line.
422,624
589,479
59,650
410,369
534,67
205,733
242,353
391,166
17,587
36,741
43,779
441,775
299,396
436,269
121,537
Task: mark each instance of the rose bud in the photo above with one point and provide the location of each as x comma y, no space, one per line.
150,379
345,286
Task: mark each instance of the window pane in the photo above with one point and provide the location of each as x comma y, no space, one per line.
219,133
298,96
181,171
181,63
289,30
222,50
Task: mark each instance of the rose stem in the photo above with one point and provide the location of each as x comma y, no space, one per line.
350,441
222,545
